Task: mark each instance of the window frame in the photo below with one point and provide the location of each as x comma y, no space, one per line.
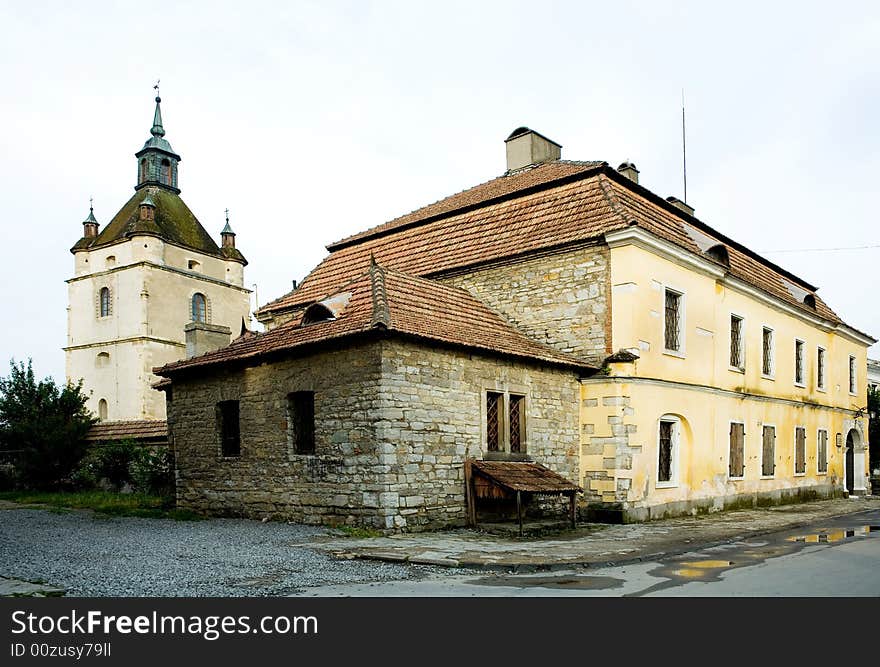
504,424
729,445
741,368
772,475
803,429
682,327
821,368
802,344
192,307
772,353
294,418
853,376
223,423
674,449
102,311
819,459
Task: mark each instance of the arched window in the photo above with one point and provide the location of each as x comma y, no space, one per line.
166,172
103,359
143,175
102,409
105,301
199,308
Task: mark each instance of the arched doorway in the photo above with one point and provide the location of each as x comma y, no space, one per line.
849,462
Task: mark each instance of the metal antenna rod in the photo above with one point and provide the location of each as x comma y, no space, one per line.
684,163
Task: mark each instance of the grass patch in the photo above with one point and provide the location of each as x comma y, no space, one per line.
107,503
358,531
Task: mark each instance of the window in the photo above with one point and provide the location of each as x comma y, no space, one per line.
737,449
102,360
667,451
102,409
852,374
800,450
767,352
672,321
143,175
820,368
822,451
799,362
193,265
301,421
505,422
199,308
768,451
104,302
110,261
228,426
737,358
166,172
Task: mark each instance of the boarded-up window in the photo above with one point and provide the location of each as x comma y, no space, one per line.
799,362
228,425
767,352
664,464
800,450
737,450
736,344
301,421
494,403
672,328
820,368
822,453
852,374
768,451
517,423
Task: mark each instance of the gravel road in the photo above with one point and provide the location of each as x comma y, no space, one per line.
90,555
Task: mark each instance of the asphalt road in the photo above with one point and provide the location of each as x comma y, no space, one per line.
837,557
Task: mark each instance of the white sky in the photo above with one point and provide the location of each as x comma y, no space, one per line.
314,120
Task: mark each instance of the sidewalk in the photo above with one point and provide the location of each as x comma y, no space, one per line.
594,544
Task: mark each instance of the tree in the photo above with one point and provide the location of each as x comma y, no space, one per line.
45,424
874,426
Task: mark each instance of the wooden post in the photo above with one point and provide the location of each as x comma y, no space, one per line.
519,511
573,502
469,494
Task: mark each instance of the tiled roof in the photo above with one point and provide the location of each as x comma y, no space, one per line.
114,431
388,300
549,205
521,476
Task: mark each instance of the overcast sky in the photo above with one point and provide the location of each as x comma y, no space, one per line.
313,120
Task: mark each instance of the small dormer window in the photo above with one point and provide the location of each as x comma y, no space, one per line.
193,265
199,308
810,301
317,312
719,254
111,261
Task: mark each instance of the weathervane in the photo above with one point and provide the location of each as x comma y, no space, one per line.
227,216
91,204
156,87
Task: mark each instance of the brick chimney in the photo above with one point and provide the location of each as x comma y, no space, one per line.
526,147
679,204
629,170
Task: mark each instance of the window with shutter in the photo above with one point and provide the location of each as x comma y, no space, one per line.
800,450
768,452
737,450
822,453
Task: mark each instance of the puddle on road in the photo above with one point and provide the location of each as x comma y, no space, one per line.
564,582
834,535
698,569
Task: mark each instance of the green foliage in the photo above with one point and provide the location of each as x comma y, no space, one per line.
111,463
152,471
127,464
44,425
106,503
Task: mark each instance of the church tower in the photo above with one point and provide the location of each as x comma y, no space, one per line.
149,274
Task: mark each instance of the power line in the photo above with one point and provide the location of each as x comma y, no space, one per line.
857,247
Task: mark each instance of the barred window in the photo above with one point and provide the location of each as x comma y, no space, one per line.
516,422
672,327
800,450
852,374
736,342
822,451
767,352
737,450
105,304
799,362
820,368
494,402
667,451
768,451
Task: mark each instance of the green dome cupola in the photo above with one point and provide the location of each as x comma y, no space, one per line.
157,161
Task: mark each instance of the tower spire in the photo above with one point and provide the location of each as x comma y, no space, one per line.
157,130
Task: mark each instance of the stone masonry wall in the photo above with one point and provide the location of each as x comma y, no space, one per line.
432,418
560,299
344,482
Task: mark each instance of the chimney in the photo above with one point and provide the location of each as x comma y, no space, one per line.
526,147
202,337
629,170
679,204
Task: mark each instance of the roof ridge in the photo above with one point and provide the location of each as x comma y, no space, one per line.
611,198
381,314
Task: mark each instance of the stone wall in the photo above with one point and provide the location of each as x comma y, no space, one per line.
394,423
561,299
